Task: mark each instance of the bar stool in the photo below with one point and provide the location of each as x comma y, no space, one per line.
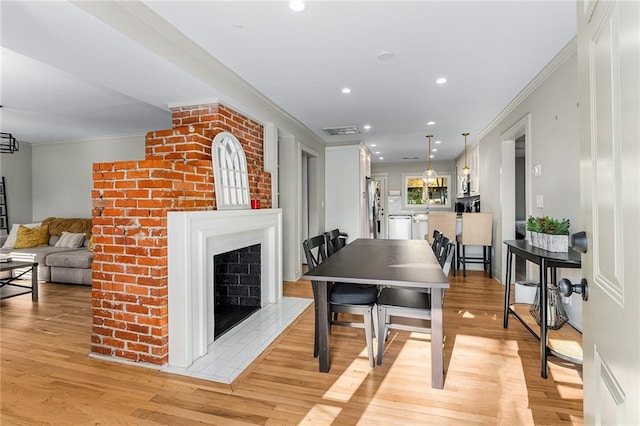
477,230
445,223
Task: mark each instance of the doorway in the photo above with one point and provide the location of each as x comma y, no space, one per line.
309,199
380,208
521,202
509,189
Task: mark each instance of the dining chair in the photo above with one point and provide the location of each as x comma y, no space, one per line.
441,247
435,239
477,230
358,299
399,302
335,240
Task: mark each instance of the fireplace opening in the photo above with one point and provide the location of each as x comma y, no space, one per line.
237,287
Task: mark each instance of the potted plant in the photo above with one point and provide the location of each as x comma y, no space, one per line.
549,233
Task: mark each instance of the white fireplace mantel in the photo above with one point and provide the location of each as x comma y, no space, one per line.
193,239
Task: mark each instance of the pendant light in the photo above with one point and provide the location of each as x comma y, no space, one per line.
466,170
429,175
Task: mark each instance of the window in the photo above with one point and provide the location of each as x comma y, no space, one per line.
416,194
230,172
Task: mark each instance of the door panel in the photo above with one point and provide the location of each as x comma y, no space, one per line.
609,98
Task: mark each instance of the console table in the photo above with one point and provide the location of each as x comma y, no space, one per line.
563,342
10,289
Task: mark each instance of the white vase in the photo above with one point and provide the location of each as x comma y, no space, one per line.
558,243
536,239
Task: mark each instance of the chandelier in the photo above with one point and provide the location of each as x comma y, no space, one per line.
8,144
466,170
429,175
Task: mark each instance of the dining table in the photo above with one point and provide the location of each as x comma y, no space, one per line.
402,263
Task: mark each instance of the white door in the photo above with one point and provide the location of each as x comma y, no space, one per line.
609,98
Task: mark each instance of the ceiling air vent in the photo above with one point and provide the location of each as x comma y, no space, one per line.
410,158
341,131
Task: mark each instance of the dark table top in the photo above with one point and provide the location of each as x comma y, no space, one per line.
571,258
407,263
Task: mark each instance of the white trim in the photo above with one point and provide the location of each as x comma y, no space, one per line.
191,238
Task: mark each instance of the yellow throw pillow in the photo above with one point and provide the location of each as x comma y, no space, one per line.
28,238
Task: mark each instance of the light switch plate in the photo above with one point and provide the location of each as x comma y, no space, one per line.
539,201
537,170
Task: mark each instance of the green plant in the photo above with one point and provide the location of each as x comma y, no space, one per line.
548,225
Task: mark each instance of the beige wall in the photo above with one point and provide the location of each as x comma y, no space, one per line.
554,146
62,173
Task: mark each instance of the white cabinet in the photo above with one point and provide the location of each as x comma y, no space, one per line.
346,170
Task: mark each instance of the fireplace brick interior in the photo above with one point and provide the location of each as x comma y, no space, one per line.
130,204
237,286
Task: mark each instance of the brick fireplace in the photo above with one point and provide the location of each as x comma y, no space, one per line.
131,200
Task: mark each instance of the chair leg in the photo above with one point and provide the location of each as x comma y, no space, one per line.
464,261
375,321
315,335
368,334
455,254
382,315
489,259
484,258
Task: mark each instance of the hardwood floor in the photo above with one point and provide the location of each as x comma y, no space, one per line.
492,374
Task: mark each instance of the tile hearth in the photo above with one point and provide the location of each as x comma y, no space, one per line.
231,353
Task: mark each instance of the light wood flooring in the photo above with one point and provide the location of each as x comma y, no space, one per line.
492,374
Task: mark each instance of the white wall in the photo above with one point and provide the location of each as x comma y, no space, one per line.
62,173
16,168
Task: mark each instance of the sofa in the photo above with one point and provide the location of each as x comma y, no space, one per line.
61,263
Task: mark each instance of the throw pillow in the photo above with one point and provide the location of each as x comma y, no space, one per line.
70,240
28,238
13,234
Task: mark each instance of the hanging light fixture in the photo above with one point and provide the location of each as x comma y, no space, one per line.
429,175
466,170
8,144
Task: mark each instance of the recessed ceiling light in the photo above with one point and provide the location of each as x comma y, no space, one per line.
431,156
380,158
385,55
431,123
297,5
441,80
346,90
367,127
434,150
373,144
377,152
438,141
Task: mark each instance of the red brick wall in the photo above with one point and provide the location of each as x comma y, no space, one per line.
130,204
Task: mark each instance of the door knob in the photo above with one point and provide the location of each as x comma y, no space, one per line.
566,288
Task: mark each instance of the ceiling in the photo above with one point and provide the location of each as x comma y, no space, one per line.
70,71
